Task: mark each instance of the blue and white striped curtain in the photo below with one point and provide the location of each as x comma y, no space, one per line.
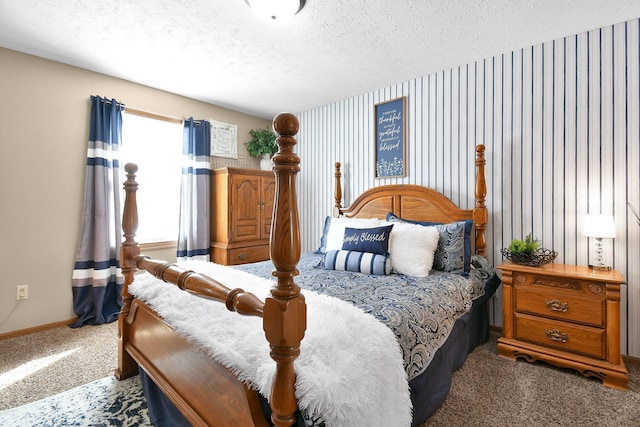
97,279
193,235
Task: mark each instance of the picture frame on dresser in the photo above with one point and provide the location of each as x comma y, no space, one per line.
564,315
390,126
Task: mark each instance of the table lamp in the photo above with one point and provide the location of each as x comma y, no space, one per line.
599,227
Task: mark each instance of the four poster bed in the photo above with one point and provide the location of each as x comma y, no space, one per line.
202,364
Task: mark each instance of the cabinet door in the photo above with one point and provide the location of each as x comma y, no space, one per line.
268,196
245,208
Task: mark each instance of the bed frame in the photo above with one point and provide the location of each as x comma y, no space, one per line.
204,391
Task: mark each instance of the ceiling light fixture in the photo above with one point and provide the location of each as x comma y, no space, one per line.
275,10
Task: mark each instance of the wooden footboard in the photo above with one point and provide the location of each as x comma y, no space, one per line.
205,392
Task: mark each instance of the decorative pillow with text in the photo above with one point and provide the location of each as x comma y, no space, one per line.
374,240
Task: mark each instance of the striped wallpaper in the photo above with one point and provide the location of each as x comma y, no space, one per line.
561,123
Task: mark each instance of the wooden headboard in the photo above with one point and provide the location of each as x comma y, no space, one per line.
417,203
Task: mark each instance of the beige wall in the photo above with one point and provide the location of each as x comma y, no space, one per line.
44,126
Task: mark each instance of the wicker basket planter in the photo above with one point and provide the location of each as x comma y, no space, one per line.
537,258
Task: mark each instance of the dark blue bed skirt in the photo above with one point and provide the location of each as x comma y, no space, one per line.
428,390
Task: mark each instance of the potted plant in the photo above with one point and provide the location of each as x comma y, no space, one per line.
523,247
262,144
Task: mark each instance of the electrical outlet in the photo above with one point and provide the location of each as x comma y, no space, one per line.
22,292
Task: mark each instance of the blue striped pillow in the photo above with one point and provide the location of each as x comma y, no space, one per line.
360,262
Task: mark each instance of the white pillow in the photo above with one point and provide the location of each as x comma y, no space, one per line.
335,236
411,248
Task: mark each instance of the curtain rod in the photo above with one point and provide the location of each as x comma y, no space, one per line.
149,115
142,113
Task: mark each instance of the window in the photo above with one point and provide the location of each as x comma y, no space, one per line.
155,145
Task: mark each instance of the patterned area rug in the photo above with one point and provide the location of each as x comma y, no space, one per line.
105,402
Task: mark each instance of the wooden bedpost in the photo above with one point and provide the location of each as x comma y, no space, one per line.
480,214
285,311
129,250
338,193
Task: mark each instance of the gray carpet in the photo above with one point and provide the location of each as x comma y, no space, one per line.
486,391
491,391
45,363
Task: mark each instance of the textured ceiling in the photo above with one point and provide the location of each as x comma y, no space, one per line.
217,51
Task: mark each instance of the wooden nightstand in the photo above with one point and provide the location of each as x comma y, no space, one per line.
565,315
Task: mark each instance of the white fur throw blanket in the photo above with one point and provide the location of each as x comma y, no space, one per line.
350,370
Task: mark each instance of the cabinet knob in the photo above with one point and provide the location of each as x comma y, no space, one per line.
557,305
556,335
243,256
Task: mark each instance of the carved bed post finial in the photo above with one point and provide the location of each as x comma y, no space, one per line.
338,193
480,213
284,320
129,250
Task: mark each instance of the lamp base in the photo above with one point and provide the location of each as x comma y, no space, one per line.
600,267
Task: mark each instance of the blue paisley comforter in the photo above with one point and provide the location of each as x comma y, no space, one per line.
420,311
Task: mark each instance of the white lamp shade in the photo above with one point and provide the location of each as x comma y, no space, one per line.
599,226
274,10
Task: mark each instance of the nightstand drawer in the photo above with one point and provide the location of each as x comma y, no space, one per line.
561,335
560,305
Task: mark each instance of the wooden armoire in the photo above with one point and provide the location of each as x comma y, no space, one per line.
241,210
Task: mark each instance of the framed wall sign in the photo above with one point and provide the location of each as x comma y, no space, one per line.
390,130
224,139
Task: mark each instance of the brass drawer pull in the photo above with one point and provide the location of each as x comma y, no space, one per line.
557,305
243,256
556,335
